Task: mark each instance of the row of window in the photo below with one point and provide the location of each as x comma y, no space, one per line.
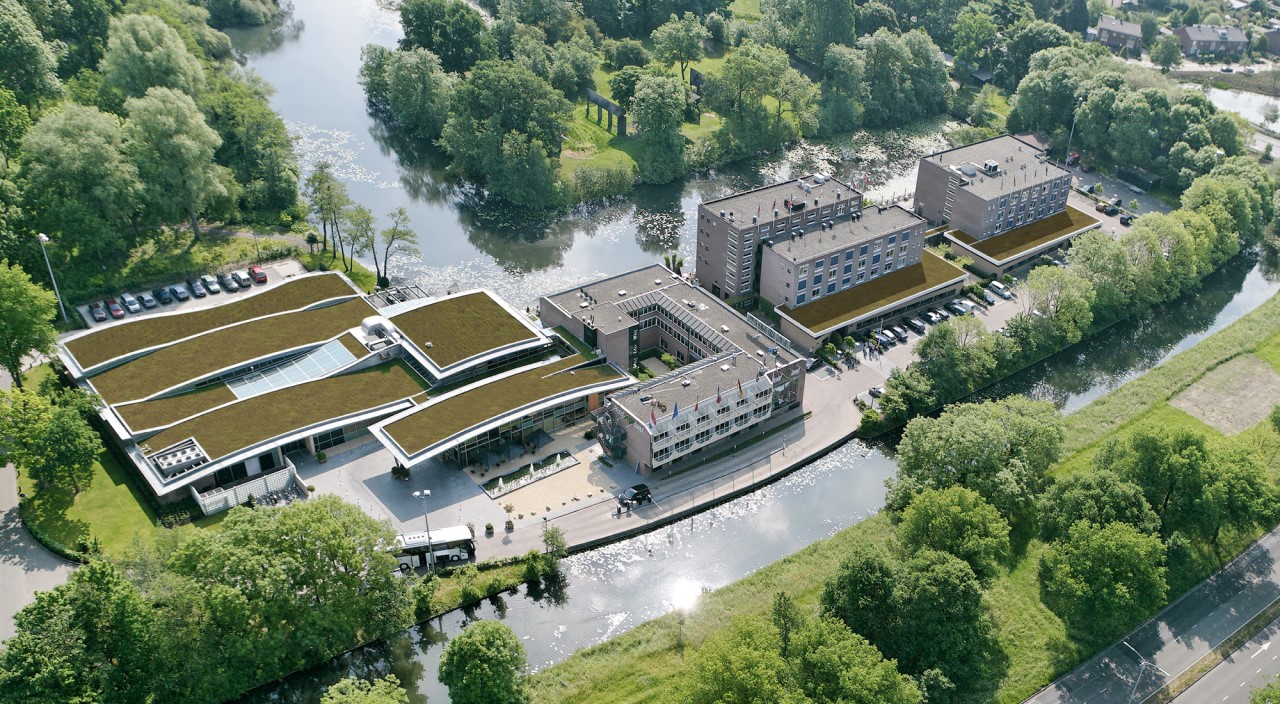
665,454
845,283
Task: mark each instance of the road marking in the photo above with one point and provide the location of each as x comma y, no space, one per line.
1259,650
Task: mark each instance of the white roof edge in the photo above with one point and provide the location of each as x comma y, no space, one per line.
824,331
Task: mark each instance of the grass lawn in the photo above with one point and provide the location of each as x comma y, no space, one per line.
113,509
461,327
583,348
746,9
115,340
591,144
1269,350
1036,647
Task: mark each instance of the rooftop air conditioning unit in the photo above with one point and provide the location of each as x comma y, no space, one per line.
623,292
724,328
685,382
991,166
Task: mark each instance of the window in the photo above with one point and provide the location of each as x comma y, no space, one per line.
902,249
835,259
662,436
875,259
906,236
831,286
722,428
892,239
848,256
742,419
803,283
329,439
1003,201
844,283
902,262
863,250
875,271
788,284
683,445
702,436
861,276
875,246
761,412
862,263
848,269
799,298
888,266
817,279
741,402
815,293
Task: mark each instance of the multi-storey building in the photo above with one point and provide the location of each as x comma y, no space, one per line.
733,376
1200,39
1118,33
731,229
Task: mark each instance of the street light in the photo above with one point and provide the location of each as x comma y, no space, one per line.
431,555
44,239
1074,111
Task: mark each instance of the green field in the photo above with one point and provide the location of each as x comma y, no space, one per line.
646,664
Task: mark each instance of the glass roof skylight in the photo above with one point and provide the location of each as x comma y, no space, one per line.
316,364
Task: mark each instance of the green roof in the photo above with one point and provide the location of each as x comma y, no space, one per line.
260,418
191,359
461,327
841,308
115,340
171,409
1010,244
443,419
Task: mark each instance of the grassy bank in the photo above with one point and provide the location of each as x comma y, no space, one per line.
647,664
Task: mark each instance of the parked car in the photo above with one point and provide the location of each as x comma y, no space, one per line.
179,292
916,324
163,295
114,308
228,282
1088,168
886,339
97,312
875,391
1073,158
1100,206
956,308
242,279
259,276
130,303
1000,290
1126,219
148,300
1249,70
1227,69
932,316
990,299
899,332
1115,200
635,496
1112,210
940,312
210,283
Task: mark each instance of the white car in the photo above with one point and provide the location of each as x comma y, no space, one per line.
1000,290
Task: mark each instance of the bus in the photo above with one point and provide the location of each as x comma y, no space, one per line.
452,544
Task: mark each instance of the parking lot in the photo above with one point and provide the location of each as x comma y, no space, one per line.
276,272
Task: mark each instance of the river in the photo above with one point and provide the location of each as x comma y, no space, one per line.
313,59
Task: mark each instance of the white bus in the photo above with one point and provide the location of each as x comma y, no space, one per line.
452,544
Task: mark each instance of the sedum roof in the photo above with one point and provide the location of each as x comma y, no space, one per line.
461,327
1009,244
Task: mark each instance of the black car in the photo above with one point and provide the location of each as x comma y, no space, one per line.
916,324
899,332
97,311
197,288
228,283
875,391
1112,210
164,295
636,496
1126,219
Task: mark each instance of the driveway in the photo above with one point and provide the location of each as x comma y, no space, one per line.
25,566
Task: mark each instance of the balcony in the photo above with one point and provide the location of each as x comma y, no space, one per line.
223,498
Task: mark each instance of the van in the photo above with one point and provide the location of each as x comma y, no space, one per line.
1000,290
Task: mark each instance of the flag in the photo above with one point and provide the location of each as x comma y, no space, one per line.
695,406
676,412
718,394
653,419
757,212
866,181
775,204
740,393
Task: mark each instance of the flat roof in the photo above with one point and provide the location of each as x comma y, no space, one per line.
846,306
196,357
461,327
1020,164
255,420
441,419
763,200
1019,240
704,377
874,222
111,341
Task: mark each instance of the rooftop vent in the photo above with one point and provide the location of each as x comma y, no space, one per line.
991,166
685,382
724,328
623,292
657,282
724,367
429,345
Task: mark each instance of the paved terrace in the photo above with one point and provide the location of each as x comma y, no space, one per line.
840,308
108,342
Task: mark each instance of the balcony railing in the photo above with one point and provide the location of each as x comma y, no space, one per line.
221,499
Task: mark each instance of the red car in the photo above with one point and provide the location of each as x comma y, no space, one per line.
116,311
257,274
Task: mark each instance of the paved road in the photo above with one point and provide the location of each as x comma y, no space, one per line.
25,566
1254,665
1177,637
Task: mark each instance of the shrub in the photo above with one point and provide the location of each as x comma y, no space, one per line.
625,52
595,183
590,434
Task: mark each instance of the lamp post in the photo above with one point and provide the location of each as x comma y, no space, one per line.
1072,134
431,554
44,239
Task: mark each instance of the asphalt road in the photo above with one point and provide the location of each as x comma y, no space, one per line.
1254,665
1178,636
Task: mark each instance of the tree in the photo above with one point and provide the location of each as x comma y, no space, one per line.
623,85
66,449
860,594
679,41
625,52
1166,53
659,106
976,33
1064,298
741,663
26,63
15,121
980,110
874,15
173,148
1099,497
1150,29
958,356
1275,418
80,183
826,23
450,29
906,78
143,53
843,89
674,262
357,224
351,690
1103,579
507,124
956,520
907,393
327,198
1000,449
1024,42
484,665
397,239
418,93
1239,495
255,145
25,319
831,664
941,617
1172,468
1100,259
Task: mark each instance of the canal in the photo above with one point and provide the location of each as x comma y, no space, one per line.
312,60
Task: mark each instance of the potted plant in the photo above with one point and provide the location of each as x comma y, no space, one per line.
321,457
488,529
509,508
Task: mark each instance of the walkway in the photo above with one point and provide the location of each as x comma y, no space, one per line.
25,566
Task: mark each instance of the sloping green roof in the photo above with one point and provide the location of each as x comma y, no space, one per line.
840,308
461,327
443,419
163,411
260,418
1010,244
148,331
191,359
